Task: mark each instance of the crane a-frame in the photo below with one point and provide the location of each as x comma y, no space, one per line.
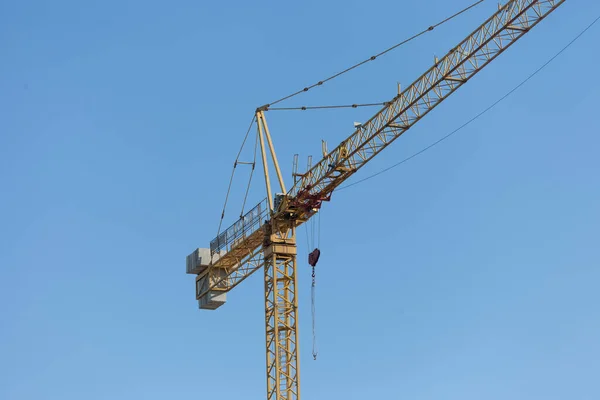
266,235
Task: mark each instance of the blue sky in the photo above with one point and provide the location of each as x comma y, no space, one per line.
469,272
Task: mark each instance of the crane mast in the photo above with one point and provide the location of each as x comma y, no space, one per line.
266,235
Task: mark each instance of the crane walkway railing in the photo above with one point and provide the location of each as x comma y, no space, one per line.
239,230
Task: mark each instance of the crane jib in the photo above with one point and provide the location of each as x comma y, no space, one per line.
498,33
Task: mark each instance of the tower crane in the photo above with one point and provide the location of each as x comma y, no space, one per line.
265,237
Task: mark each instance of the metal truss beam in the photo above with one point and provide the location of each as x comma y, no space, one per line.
281,303
493,37
250,260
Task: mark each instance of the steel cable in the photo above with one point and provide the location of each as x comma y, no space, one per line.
304,108
232,175
372,58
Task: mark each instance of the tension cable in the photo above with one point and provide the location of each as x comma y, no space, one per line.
374,57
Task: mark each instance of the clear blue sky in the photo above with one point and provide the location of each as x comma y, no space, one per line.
470,272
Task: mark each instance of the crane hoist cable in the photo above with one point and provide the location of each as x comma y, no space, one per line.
313,315
372,58
313,259
489,108
309,245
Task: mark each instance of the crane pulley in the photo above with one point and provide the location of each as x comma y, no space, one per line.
265,237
